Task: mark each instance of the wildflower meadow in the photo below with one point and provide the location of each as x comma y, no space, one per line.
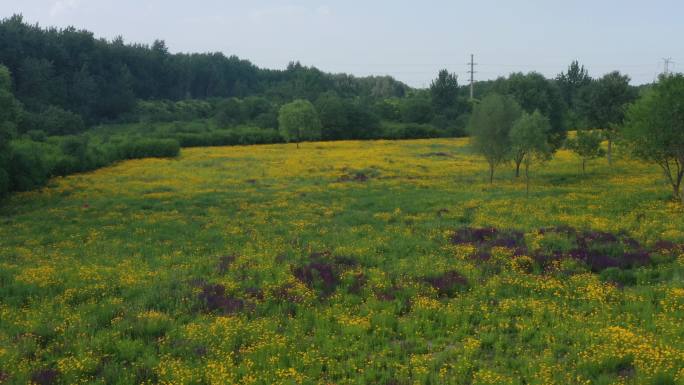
348,262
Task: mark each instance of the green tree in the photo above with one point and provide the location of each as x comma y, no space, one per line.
654,129
571,84
10,115
490,125
444,91
333,115
530,142
587,144
534,92
416,108
298,121
230,112
603,104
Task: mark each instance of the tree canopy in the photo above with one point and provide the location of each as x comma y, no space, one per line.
654,128
530,140
490,126
298,121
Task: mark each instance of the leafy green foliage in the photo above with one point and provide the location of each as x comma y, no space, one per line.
587,144
604,101
298,121
54,121
533,92
444,90
149,148
490,127
530,140
571,84
654,129
416,109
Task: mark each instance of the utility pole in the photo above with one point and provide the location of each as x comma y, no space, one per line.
667,61
472,75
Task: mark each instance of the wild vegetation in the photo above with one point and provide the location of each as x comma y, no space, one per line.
132,252
385,262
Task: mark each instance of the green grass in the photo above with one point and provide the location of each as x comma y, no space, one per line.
336,263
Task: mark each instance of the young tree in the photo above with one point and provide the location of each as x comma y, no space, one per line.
654,129
490,126
587,145
530,141
534,92
298,121
603,104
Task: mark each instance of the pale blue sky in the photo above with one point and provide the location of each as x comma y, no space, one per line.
409,40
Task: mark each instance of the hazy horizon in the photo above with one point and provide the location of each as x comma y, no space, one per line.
410,43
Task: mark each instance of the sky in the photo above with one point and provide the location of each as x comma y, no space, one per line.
409,40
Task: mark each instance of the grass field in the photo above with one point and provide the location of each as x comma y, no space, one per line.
388,262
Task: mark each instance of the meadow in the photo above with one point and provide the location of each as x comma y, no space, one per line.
385,262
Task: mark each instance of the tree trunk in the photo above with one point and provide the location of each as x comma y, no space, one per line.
610,151
678,186
527,178
297,145
584,167
517,167
491,173
674,176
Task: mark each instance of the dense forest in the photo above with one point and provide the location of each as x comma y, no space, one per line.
72,102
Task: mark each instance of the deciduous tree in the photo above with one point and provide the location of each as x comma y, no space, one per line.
530,141
587,144
490,126
603,104
654,129
298,121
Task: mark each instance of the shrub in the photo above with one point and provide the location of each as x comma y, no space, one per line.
29,165
54,121
144,148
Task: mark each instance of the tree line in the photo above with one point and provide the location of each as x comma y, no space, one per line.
59,85
650,126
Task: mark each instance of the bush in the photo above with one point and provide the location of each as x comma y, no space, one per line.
30,165
54,121
4,181
420,131
149,148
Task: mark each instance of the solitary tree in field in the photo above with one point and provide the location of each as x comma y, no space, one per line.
298,121
490,127
654,129
603,104
587,145
530,141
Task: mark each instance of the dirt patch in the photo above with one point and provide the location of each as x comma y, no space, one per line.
45,377
323,270
448,283
225,262
357,284
215,300
599,250
356,177
439,154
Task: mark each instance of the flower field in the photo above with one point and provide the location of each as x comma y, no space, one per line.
384,262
